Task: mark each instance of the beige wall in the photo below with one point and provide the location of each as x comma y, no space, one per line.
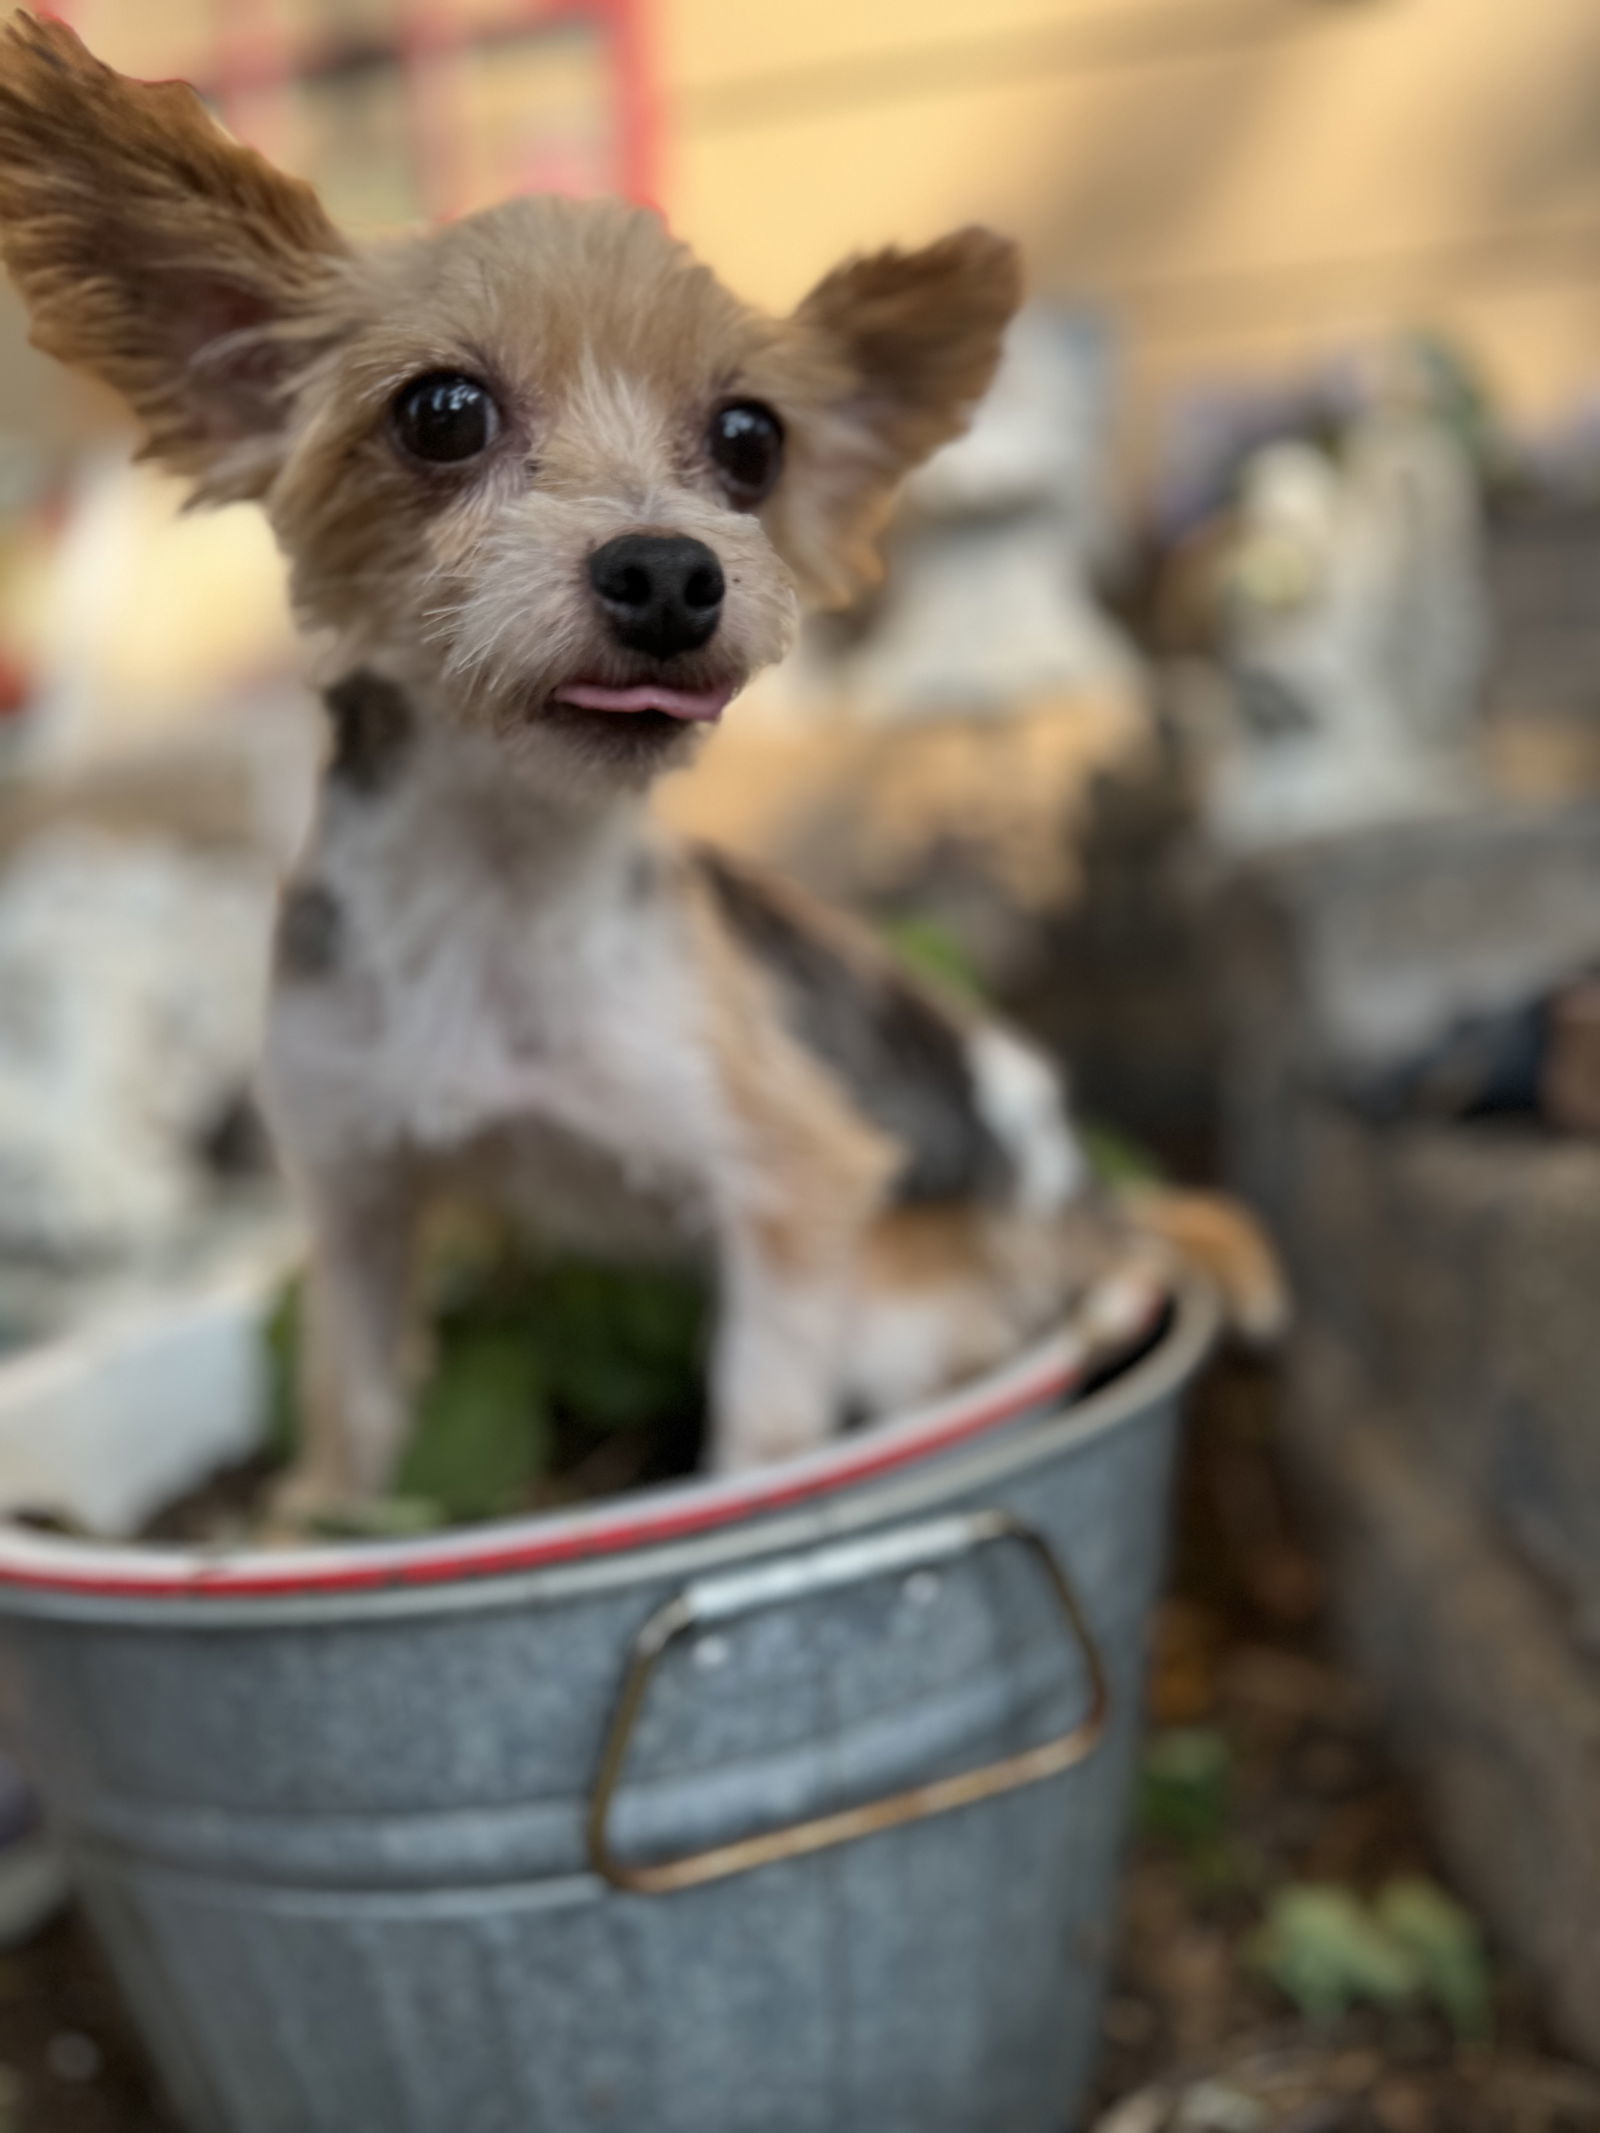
1239,180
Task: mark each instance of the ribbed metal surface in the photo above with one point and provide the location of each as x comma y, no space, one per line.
341,1867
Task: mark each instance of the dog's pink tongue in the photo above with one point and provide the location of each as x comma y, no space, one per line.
702,705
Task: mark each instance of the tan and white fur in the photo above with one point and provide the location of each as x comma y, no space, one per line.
494,971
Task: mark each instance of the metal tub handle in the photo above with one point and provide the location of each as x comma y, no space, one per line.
717,1599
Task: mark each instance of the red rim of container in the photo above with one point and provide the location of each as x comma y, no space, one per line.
1042,1376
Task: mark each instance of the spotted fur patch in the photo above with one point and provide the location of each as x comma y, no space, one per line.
901,1056
372,731
310,927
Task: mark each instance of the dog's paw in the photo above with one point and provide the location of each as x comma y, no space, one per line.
304,1505
748,1451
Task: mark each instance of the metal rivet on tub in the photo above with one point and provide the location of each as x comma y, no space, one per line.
711,1652
922,1588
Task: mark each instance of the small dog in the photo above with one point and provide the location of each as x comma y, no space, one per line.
550,497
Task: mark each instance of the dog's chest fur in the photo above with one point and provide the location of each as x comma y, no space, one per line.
469,977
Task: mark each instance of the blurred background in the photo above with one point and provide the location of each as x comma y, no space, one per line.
1230,713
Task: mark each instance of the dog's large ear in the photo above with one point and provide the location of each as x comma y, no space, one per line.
907,343
158,254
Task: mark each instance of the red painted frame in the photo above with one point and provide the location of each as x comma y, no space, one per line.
248,60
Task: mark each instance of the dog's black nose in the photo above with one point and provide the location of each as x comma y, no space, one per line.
662,592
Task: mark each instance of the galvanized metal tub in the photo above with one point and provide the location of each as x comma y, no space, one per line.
791,1805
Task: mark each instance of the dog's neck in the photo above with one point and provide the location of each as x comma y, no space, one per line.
408,785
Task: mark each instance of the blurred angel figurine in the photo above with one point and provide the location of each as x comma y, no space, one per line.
1350,622
988,604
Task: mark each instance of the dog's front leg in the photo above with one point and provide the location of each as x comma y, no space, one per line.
354,1394
776,1366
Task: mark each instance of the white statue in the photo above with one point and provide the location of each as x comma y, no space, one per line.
132,975
988,606
1352,626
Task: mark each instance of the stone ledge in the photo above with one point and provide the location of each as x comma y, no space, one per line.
1344,955
1482,1690
1457,1268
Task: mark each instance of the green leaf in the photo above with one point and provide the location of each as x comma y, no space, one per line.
516,1342
1114,1159
622,1347
1185,1787
933,951
1444,1942
1327,1952
482,1434
386,1518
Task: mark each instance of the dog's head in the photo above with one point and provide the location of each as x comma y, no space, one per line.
538,461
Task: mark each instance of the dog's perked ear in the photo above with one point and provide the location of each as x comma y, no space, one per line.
908,343
156,253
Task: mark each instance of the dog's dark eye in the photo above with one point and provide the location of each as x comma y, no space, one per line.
445,417
746,442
